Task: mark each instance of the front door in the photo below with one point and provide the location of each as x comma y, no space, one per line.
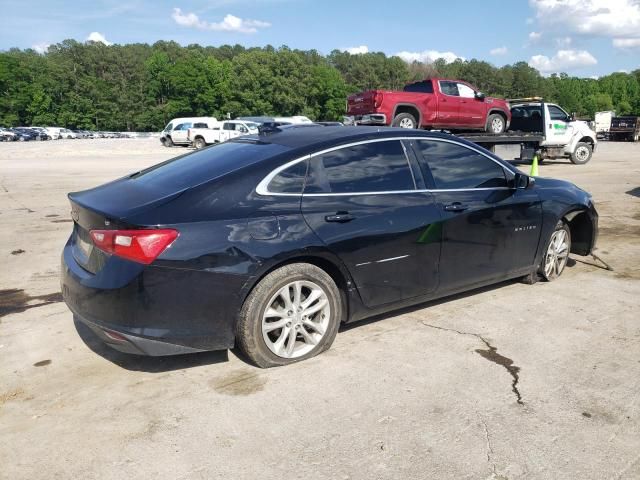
489,228
558,128
362,202
179,134
472,109
448,103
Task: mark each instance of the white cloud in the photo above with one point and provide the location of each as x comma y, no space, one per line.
564,42
498,51
41,47
357,50
230,23
428,56
562,61
534,36
626,43
607,18
98,37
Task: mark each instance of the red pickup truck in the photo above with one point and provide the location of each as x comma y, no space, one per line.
434,103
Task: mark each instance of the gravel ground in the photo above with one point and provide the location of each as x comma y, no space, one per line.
428,392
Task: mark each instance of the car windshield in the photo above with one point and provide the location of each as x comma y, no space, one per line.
204,165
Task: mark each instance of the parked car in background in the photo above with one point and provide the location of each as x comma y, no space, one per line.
54,132
7,135
435,103
625,128
33,132
200,135
176,131
67,134
44,135
24,135
270,242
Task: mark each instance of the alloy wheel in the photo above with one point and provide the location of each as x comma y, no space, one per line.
296,319
406,123
497,125
557,254
582,153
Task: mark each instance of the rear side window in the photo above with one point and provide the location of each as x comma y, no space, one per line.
290,180
455,166
370,167
420,87
449,88
200,125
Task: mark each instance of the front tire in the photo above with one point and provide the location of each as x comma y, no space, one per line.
168,142
582,153
405,120
496,123
556,253
292,314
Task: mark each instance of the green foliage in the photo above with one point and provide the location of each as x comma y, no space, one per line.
141,87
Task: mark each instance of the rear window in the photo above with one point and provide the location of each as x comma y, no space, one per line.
204,165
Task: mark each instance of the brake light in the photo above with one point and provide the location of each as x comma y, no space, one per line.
377,99
142,246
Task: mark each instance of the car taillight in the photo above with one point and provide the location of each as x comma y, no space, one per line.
377,99
142,246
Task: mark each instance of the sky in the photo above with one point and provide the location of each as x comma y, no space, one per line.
586,38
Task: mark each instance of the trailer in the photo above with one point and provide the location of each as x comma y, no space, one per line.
625,128
603,123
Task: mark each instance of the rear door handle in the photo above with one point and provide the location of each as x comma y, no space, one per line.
456,207
339,217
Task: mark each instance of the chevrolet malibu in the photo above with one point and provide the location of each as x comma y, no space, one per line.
269,242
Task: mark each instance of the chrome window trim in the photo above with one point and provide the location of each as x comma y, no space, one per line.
261,188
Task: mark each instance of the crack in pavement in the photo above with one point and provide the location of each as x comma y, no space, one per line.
489,446
492,355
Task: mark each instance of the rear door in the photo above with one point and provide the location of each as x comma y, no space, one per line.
489,229
362,202
448,103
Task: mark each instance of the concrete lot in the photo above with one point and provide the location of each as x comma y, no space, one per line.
418,394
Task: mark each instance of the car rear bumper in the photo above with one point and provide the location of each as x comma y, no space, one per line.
151,310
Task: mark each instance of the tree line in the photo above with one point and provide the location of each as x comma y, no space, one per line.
140,87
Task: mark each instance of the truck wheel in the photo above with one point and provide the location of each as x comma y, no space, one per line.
405,120
495,123
168,142
199,143
582,153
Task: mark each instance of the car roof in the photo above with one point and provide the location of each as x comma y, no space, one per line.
312,136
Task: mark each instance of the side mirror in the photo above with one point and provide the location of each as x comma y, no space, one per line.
479,96
572,117
522,181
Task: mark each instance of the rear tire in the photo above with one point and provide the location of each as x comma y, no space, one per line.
582,153
496,123
404,120
307,335
199,143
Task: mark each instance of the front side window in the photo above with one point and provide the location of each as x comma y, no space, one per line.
370,167
449,88
466,91
229,126
455,166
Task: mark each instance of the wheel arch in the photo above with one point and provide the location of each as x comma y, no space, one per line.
326,261
411,108
582,229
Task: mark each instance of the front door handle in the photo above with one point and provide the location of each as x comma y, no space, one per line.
339,217
456,207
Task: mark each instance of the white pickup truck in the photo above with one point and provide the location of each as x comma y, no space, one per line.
201,137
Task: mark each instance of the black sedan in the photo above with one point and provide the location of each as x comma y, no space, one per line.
270,242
